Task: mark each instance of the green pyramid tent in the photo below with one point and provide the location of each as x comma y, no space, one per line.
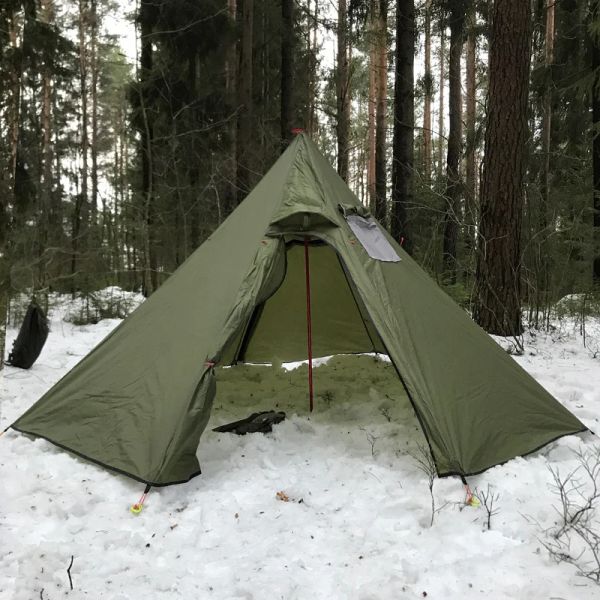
140,400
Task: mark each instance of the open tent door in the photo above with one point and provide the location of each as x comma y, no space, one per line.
277,329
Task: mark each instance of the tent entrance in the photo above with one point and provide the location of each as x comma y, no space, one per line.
277,329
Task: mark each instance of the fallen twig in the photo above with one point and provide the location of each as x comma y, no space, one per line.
69,571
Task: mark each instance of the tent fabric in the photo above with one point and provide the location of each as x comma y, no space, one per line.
140,400
30,339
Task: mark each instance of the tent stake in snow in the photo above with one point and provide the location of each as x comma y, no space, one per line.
308,324
136,508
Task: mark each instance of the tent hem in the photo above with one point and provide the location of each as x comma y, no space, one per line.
503,462
105,465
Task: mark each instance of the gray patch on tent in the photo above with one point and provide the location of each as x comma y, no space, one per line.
371,237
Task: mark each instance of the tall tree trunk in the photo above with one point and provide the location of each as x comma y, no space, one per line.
471,150
595,100
498,302
15,76
404,120
453,184
15,36
442,109
372,107
547,112
147,20
244,140
343,91
231,76
94,67
287,71
428,80
543,259
313,30
80,211
45,218
380,117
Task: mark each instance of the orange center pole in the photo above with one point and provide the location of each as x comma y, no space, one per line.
308,324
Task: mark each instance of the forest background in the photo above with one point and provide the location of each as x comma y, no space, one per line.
469,127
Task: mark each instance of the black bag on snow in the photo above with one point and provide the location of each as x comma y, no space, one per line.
31,339
261,422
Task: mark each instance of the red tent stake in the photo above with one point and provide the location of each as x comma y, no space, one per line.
308,324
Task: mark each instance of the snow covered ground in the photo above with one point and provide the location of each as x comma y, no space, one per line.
357,523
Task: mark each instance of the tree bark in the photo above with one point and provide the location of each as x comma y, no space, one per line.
94,67
15,99
498,281
313,30
404,120
343,91
442,109
543,257
245,105
15,37
595,100
380,116
471,150
80,210
287,71
46,203
372,107
428,85
547,113
453,183
147,18
231,76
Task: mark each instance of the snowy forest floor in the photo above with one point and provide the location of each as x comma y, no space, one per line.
357,523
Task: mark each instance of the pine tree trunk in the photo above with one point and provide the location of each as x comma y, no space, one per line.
595,100
427,150
442,109
287,71
343,91
15,36
453,184
547,114
244,137
498,302
45,220
56,211
471,156
15,101
380,116
231,76
146,20
94,67
372,107
314,49
543,259
80,211
264,83
404,120
119,221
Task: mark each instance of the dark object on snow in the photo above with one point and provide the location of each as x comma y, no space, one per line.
31,339
260,422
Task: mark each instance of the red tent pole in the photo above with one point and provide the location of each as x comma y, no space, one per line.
308,324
